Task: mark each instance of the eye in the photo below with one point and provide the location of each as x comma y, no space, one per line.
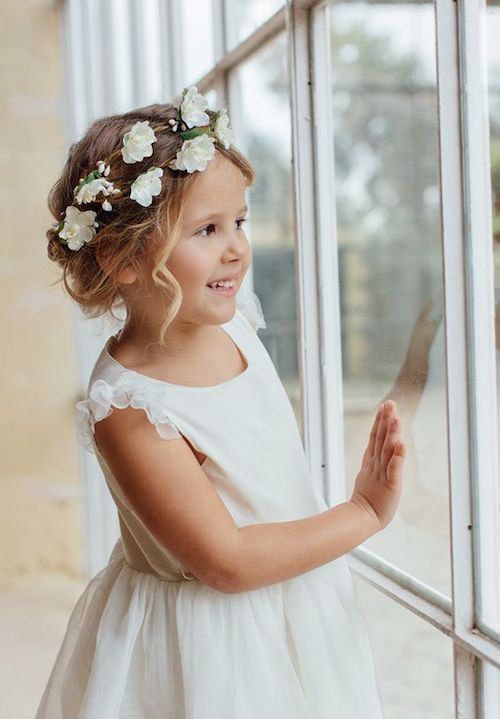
203,229
242,220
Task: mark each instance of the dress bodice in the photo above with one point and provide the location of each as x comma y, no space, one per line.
245,426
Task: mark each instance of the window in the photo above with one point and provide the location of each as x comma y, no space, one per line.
381,214
387,197
375,131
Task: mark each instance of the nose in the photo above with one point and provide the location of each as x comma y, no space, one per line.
236,244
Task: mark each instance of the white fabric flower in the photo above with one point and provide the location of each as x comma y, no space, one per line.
222,130
137,142
146,186
79,227
195,154
248,302
192,108
89,191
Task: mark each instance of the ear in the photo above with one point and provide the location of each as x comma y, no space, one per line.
127,276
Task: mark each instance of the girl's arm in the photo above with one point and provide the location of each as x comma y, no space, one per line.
276,551
181,507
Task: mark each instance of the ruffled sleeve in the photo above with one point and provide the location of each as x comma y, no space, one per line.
249,305
129,391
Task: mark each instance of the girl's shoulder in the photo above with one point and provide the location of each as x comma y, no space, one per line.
108,389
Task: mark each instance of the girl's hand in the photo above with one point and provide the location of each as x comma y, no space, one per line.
378,484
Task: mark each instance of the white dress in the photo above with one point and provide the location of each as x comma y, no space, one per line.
146,640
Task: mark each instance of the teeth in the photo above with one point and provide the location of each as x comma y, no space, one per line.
226,283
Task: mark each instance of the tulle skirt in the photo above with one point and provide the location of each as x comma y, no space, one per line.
140,647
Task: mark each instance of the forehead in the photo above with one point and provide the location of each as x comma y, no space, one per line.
218,189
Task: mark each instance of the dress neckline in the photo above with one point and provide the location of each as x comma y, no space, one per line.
225,327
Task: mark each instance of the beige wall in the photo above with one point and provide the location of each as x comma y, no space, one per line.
40,495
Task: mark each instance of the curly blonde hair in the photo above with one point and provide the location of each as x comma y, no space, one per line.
128,233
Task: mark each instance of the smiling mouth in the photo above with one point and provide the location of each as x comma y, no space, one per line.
223,284
223,288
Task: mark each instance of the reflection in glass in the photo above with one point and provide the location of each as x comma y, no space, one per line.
387,195
243,17
261,84
413,660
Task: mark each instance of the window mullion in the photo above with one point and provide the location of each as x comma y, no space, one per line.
481,304
239,54
304,187
480,310
455,302
171,24
327,266
468,272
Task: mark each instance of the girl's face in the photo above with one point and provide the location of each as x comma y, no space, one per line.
213,243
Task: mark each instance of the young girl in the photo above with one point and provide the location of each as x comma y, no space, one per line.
228,594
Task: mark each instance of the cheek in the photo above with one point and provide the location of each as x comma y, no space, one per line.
249,253
189,265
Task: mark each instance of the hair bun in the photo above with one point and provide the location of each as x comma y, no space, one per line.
56,251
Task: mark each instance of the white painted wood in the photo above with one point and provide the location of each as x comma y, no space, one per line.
234,57
481,306
404,589
466,683
419,590
306,265
456,345
334,484
424,601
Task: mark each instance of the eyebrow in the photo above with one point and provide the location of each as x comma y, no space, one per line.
200,220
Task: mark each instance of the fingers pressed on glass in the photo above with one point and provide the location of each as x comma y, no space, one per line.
373,434
382,429
390,441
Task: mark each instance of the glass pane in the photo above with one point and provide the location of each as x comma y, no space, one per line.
413,660
259,89
243,17
198,45
387,196
489,691
489,605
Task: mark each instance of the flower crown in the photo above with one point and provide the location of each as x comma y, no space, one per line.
198,148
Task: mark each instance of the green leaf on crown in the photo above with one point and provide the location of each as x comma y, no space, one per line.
194,132
91,176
